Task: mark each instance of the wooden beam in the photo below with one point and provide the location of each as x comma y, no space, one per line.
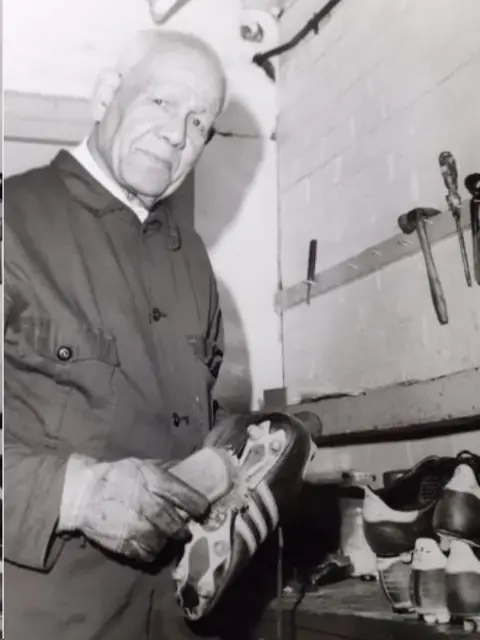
449,403
59,120
398,434
370,260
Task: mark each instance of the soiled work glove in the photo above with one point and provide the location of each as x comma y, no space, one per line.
130,506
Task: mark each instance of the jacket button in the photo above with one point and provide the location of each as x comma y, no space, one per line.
177,420
64,354
156,314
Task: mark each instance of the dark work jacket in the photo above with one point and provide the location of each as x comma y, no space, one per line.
113,340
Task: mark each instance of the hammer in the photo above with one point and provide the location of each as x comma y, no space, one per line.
448,167
472,185
412,221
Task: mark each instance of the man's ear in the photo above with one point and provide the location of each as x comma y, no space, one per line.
104,90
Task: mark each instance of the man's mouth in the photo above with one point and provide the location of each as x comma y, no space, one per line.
155,157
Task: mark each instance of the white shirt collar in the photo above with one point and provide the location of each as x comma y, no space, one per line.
82,154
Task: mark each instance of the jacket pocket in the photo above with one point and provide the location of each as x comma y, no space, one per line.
65,372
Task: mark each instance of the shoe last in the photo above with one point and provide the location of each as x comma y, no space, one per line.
428,583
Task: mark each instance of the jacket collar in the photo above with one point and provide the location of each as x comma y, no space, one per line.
94,197
83,155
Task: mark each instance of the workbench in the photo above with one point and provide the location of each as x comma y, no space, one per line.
349,610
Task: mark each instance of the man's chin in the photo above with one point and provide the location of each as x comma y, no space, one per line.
151,184
152,188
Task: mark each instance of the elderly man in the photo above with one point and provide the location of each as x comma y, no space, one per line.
113,341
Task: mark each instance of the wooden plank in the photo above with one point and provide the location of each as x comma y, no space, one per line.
399,434
450,400
370,260
60,120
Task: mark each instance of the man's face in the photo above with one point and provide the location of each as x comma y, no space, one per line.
156,124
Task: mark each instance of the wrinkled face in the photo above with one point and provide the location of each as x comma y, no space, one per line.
156,123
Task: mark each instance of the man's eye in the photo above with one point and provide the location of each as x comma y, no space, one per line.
159,102
198,123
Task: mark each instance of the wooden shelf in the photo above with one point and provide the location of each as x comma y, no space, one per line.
416,409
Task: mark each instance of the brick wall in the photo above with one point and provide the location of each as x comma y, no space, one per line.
366,106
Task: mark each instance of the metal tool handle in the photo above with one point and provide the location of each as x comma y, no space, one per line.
438,297
472,184
475,220
312,260
463,251
312,263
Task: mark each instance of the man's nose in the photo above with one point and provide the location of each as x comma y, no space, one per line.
175,131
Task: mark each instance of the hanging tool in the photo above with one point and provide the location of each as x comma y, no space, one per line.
472,185
448,167
312,263
412,221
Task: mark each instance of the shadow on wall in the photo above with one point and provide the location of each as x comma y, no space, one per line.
222,181
227,169
234,385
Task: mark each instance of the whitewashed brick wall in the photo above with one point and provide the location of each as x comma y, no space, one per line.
366,106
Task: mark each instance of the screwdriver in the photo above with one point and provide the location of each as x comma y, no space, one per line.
448,167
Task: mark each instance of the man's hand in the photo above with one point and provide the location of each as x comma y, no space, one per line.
130,506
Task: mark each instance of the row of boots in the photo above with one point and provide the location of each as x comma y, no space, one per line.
425,532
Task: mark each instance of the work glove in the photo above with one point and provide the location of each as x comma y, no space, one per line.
130,506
